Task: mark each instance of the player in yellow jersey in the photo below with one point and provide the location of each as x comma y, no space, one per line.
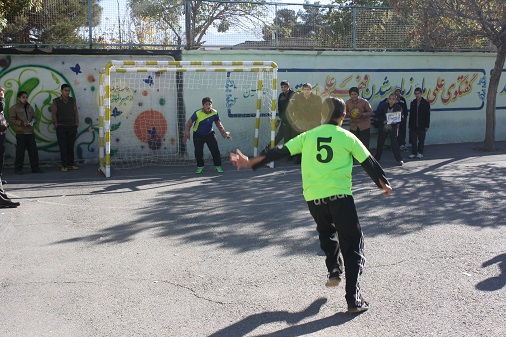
327,161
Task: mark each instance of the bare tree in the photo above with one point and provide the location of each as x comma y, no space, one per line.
448,24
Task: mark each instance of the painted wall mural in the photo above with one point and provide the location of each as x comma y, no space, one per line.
455,85
139,107
42,81
446,90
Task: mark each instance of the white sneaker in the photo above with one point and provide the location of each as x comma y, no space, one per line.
402,148
412,156
419,156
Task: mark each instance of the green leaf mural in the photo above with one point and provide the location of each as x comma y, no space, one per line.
29,85
55,78
115,127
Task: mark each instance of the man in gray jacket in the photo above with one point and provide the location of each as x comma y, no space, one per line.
22,118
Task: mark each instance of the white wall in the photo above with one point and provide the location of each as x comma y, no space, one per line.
455,84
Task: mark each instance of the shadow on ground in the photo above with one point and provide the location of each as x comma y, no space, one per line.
252,322
496,282
249,210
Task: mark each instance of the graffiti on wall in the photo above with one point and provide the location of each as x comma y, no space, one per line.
502,91
139,107
42,83
446,90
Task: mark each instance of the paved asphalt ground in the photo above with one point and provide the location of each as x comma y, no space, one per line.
163,252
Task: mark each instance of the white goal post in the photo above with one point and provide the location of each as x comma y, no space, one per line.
143,106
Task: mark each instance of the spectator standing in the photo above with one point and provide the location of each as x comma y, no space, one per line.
286,131
22,118
5,201
305,112
4,125
419,122
65,118
360,116
401,138
305,109
389,128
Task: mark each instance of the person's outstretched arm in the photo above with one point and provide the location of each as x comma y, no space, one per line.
375,171
242,161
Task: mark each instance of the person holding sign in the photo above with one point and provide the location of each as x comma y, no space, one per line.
390,116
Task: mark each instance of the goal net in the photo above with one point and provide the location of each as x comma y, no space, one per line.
144,105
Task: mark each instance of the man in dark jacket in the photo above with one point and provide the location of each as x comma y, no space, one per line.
285,131
401,137
65,117
419,121
389,117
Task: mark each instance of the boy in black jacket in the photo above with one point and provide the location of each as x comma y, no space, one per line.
419,121
389,117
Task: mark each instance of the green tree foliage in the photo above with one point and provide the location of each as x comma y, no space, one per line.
307,22
332,25
47,22
202,15
453,23
8,8
312,21
362,24
282,27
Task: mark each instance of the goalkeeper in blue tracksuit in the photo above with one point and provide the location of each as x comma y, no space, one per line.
203,134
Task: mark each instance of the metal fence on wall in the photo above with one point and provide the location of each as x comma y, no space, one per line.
171,24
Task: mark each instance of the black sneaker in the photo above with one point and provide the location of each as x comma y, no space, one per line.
356,309
8,203
334,279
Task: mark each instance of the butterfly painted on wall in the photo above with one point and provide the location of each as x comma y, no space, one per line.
116,112
149,80
76,69
152,132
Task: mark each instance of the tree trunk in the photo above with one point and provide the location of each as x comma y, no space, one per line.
188,25
492,97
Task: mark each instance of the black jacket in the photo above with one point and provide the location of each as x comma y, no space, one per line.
283,101
404,106
382,113
422,113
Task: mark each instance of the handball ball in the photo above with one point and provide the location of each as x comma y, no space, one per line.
355,113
